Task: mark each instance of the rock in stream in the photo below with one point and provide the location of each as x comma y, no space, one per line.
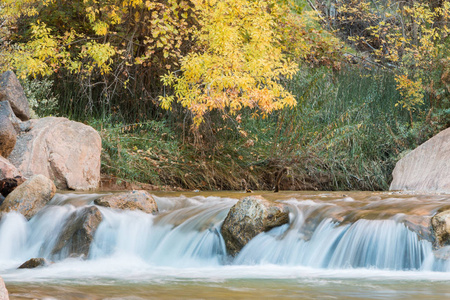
249,217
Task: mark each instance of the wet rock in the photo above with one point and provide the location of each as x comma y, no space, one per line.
7,169
7,185
441,228
426,168
8,134
67,152
30,196
442,253
34,263
3,291
12,91
421,225
135,200
249,217
78,233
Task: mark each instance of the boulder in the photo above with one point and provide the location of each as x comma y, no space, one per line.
8,134
12,91
249,217
441,229
426,168
78,233
7,169
8,185
3,291
34,263
65,151
7,112
30,197
135,200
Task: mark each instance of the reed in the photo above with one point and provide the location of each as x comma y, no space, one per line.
345,134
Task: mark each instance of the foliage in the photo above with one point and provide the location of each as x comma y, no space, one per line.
222,64
247,48
40,97
408,37
112,53
346,134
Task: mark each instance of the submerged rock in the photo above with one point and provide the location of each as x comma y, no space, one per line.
29,197
442,253
441,228
65,151
12,91
3,291
249,217
135,200
78,233
426,168
34,263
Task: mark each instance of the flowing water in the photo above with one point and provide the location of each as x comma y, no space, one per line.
355,246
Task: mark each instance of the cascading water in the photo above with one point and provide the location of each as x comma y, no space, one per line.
327,235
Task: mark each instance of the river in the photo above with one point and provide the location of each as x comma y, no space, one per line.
338,245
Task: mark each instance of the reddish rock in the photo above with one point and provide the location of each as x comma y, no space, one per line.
7,169
3,291
67,152
12,91
29,197
426,168
135,200
249,217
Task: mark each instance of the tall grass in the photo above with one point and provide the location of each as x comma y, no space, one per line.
346,133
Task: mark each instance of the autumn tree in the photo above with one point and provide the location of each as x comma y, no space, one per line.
212,55
410,38
114,51
241,61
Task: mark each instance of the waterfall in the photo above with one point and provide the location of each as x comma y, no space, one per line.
186,233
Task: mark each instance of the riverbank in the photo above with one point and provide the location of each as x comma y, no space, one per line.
346,133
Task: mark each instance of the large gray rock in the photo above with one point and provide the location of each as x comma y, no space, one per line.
7,131
3,291
78,233
65,151
7,169
12,91
29,197
6,111
135,200
249,217
426,168
441,229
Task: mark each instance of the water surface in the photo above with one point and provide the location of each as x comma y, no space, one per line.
355,245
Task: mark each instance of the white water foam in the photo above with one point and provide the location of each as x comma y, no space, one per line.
184,241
